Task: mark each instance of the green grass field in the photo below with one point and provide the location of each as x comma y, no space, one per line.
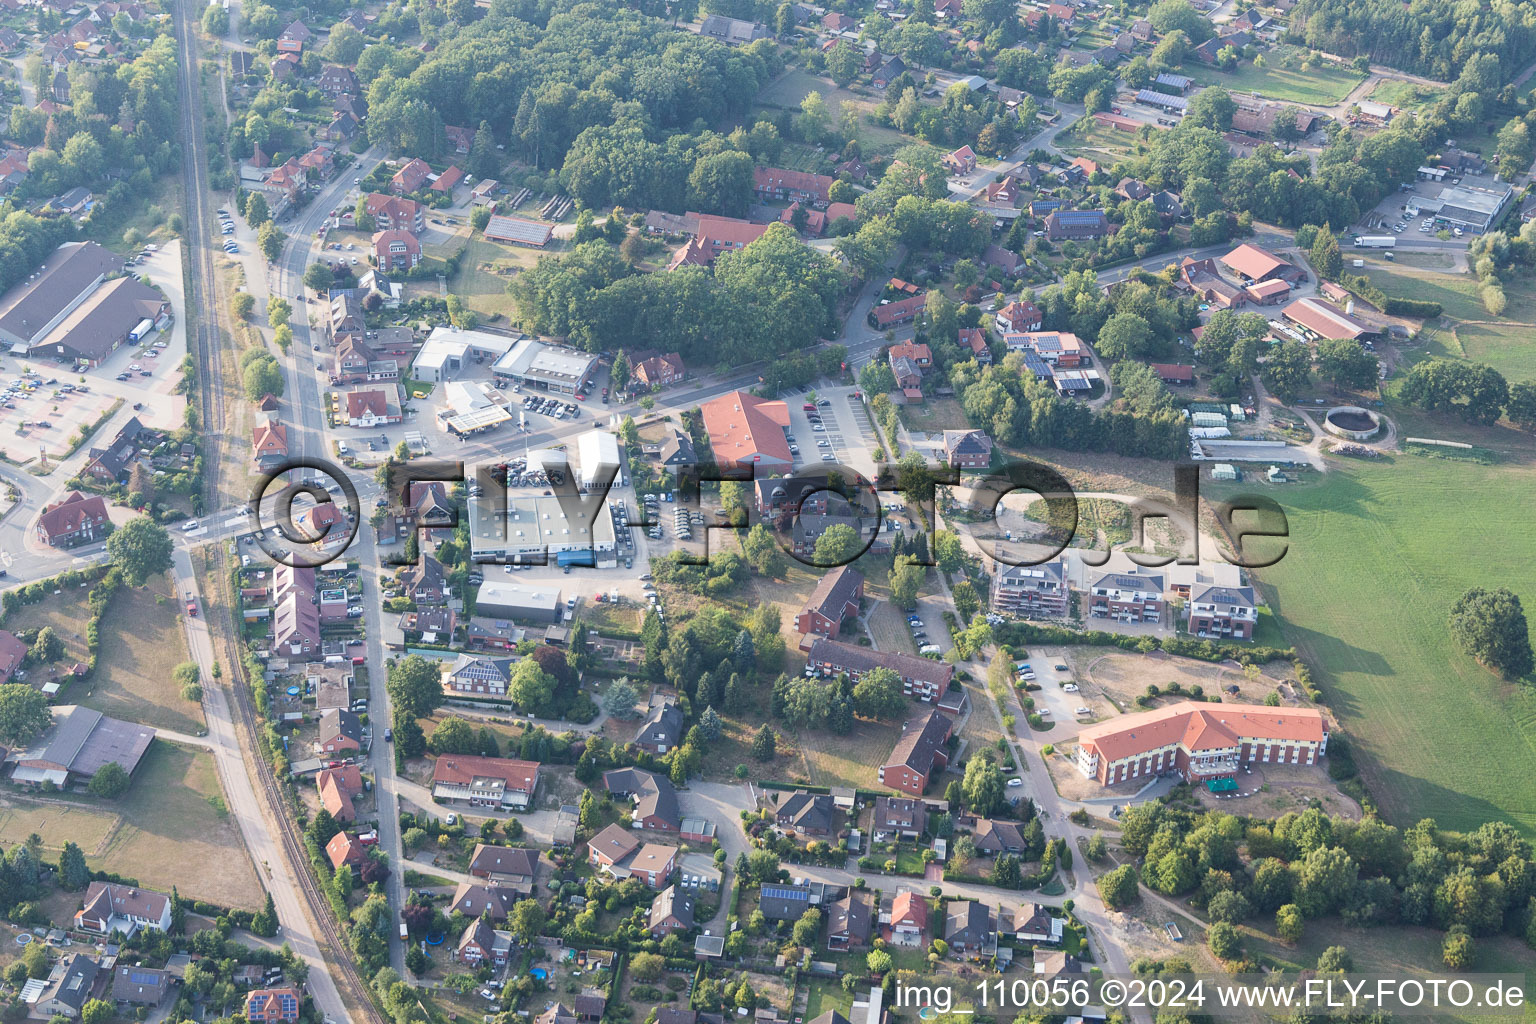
165,831
1282,78
141,642
791,88
1507,345
1405,95
1398,952
483,275
1089,138
1377,554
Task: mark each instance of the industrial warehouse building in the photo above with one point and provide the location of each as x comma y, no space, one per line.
522,601
533,528
69,310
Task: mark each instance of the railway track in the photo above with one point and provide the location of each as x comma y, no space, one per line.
200,274
298,858
201,312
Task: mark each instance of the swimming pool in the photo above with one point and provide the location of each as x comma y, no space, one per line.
538,972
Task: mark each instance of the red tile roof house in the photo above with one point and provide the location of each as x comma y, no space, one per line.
967,449
272,1004
724,234
1127,597
396,251
771,183
919,353
1200,741
410,177
660,371
1018,317
961,161
975,339
835,599
894,314
12,654
485,781
76,520
269,444
395,212
922,678
346,849
919,753
337,788
909,919
447,180
371,408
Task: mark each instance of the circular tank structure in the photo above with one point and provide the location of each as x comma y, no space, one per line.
1352,422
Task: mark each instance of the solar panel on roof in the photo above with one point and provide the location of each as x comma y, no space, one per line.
779,892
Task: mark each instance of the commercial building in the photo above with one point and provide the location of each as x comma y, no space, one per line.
1201,742
745,431
537,528
449,350
67,278
1471,207
597,453
1321,319
98,324
544,367
529,603
470,407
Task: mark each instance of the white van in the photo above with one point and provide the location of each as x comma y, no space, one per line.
928,649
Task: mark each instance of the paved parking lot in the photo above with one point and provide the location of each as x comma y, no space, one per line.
150,386
1059,706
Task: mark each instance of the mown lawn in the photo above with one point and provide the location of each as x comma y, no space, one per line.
1377,554
1282,78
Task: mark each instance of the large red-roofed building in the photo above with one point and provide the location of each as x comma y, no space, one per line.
745,430
1201,742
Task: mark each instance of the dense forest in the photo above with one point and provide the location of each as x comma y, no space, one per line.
1422,36
592,67
776,295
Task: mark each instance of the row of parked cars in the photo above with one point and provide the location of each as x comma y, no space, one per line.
227,227
551,407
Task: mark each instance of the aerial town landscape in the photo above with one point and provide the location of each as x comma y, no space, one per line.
893,511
